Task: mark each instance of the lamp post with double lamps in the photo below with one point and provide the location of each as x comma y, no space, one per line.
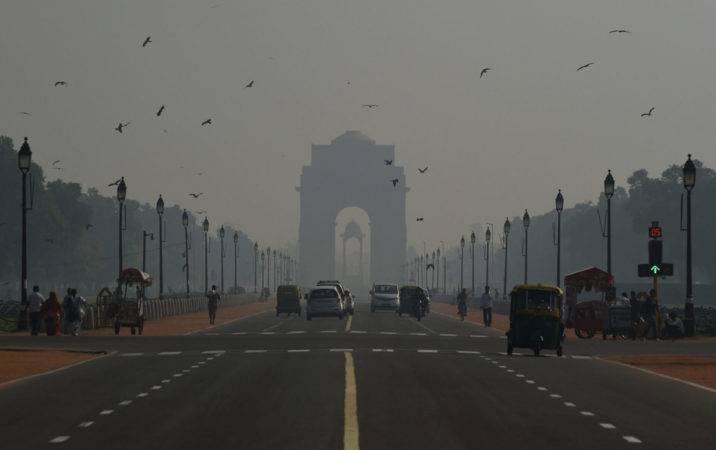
268,268
609,193
505,240
488,237
559,206
526,224
256,264
473,239
462,258
205,226
160,214
236,258
437,278
222,233
689,180
24,163
263,265
121,196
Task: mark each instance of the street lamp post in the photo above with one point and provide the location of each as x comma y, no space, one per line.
24,162
488,236
559,206
473,239
526,224
256,263
437,278
268,268
462,257
222,233
263,265
505,239
426,282
275,270
144,248
185,223
236,258
205,226
121,196
432,276
160,213
608,193
689,180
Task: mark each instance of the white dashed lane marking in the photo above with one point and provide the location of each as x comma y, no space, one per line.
555,395
59,439
423,350
298,350
86,424
381,350
177,375
632,439
142,394
341,350
358,332
468,352
169,353
156,387
607,426
569,404
418,334
586,413
267,332
106,412
478,336
388,332
255,351
296,332
541,388
448,335
125,403
166,380
132,354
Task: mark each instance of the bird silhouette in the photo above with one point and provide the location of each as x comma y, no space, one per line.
147,41
25,113
370,106
251,84
651,110
196,195
419,219
620,31
121,126
60,83
88,226
388,162
199,174
114,183
430,266
584,66
54,163
161,110
423,170
206,122
395,181
484,71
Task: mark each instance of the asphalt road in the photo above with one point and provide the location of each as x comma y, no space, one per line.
376,381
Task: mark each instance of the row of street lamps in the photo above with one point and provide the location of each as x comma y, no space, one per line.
285,267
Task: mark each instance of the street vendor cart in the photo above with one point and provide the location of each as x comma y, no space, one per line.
127,308
598,314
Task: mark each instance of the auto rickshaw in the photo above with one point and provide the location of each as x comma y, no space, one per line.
536,318
288,299
127,308
411,301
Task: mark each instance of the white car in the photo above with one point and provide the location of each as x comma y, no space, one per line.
324,301
384,296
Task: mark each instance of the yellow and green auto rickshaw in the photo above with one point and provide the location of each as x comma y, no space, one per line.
536,318
288,299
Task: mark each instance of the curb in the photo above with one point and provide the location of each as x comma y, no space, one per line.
661,375
53,349
50,372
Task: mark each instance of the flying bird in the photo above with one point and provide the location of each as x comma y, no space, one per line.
370,106
199,173
251,84
484,71
196,195
651,110
584,66
147,41
620,31
395,181
25,113
161,110
388,162
54,163
60,83
121,126
423,170
114,183
206,122
419,219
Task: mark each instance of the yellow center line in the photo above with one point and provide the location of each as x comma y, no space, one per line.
348,323
350,408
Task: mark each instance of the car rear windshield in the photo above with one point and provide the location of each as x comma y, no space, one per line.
324,293
385,289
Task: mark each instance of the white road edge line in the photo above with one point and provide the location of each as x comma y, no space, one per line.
689,383
59,439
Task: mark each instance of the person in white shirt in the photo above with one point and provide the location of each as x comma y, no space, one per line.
486,306
35,301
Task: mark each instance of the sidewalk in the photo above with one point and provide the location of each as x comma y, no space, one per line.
20,364
695,369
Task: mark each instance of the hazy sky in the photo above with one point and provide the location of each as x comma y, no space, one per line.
494,145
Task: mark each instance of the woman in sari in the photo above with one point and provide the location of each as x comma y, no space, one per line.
52,312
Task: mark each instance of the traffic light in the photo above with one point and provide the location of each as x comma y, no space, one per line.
655,247
656,270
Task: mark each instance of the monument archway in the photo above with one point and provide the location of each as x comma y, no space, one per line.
351,171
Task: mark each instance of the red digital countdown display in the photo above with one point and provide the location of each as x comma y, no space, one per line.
655,232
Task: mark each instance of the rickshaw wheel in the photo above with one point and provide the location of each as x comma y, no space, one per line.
559,351
509,349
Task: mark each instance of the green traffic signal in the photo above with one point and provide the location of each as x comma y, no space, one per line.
655,269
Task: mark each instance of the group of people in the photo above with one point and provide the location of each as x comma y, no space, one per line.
65,317
485,302
645,316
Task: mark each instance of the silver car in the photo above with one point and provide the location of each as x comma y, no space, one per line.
324,301
384,296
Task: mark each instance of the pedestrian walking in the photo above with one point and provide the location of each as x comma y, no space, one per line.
651,310
51,312
66,307
76,312
486,306
213,303
35,301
